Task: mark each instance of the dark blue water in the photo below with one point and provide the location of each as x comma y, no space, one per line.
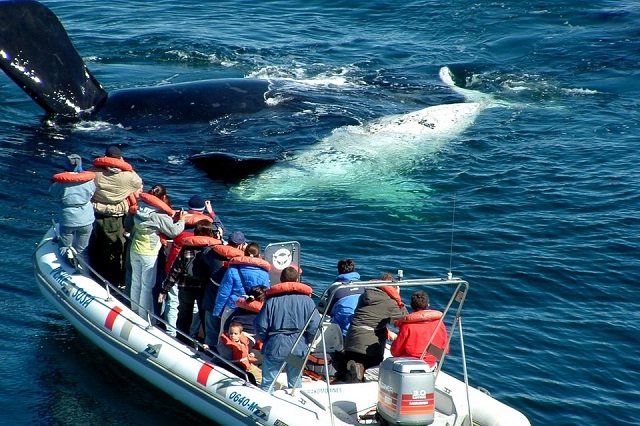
546,188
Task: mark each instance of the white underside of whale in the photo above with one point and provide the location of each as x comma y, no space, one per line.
369,161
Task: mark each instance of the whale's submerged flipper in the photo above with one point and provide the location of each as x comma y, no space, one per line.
37,54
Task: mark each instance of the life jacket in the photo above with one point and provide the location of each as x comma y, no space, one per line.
156,202
107,162
133,203
73,177
239,350
393,293
288,288
228,252
190,219
199,241
253,306
419,316
249,261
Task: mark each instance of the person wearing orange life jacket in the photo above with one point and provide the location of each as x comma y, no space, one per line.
73,189
241,354
195,213
117,187
247,309
418,329
243,273
153,218
368,333
279,323
217,258
190,273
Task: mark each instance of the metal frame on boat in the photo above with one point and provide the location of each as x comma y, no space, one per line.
213,387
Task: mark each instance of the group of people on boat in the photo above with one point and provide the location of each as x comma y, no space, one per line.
172,263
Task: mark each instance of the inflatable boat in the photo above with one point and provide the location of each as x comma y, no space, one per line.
402,391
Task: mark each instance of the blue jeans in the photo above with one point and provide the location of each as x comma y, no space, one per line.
171,310
270,368
211,329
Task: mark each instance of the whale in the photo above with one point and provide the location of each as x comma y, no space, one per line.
372,161
38,55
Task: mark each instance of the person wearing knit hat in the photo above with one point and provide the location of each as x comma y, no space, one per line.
113,152
196,203
75,219
73,164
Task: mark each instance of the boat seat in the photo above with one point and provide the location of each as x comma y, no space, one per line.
331,337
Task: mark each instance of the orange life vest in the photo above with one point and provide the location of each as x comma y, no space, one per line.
253,306
228,251
289,287
156,202
419,316
119,163
250,261
190,219
393,293
73,177
199,241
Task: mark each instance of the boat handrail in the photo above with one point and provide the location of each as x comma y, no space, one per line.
458,296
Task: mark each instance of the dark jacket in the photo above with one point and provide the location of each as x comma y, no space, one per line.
279,323
368,332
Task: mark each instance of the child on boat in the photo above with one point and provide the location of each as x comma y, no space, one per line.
241,354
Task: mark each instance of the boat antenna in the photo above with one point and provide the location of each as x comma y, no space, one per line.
453,221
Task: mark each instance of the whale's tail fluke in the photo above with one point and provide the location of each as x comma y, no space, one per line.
37,54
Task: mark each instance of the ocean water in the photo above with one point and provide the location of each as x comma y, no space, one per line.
536,203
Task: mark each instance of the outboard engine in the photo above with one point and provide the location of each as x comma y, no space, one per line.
406,389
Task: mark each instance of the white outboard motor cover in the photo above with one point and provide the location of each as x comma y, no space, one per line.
406,392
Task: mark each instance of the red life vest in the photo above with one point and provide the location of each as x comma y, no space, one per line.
419,316
253,306
228,251
250,261
106,162
289,287
73,177
199,241
156,202
190,219
393,293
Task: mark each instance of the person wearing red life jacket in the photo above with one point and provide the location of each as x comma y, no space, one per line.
117,187
152,219
241,354
190,273
368,333
73,189
285,312
419,329
195,213
217,258
243,273
247,309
